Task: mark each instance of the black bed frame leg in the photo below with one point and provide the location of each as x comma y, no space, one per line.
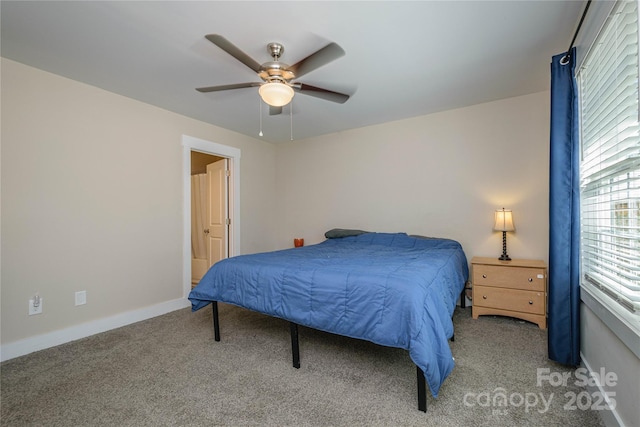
216,323
422,391
295,346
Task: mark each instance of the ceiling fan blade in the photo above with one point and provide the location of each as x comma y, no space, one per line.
274,111
318,92
233,50
329,53
227,87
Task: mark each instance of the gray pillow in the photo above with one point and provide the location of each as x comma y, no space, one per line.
337,233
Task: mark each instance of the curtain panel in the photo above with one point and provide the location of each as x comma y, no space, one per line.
564,215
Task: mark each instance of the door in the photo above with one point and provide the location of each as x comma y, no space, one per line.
218,219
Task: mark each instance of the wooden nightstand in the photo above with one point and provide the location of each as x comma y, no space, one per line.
516,288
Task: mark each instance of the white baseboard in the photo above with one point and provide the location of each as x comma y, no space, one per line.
610,417
52,339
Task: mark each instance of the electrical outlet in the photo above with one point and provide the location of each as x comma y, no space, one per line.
81,297
35,305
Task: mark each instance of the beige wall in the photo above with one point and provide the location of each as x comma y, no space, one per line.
92,200
438,175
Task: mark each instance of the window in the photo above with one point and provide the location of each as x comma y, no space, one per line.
610,164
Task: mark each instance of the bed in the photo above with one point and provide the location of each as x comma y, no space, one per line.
388,288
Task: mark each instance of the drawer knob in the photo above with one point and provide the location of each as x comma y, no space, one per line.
530,302
530,279
484,276
484,297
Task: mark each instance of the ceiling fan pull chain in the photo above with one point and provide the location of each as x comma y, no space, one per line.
260,102
291,118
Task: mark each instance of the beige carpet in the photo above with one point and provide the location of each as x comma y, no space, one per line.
168,371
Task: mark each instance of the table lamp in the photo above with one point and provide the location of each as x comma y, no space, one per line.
504,223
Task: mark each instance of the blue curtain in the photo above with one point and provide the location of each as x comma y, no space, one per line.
564,215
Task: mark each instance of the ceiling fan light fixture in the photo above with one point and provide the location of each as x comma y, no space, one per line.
276,94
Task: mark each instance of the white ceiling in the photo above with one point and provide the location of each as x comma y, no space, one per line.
403,59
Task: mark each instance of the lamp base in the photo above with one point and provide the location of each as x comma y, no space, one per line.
504,256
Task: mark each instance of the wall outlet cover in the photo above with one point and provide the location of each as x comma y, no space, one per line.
35,309
81,297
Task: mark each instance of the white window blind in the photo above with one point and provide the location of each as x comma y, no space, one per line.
610,162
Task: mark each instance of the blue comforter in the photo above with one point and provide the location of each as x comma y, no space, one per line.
390,289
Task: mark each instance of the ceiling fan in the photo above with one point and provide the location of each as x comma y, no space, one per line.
277,88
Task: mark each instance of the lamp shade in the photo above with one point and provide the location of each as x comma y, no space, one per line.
504,220
276,94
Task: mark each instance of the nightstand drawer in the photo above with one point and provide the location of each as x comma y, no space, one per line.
526,278
509,299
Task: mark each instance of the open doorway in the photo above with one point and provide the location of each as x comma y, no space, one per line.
209,212
219,227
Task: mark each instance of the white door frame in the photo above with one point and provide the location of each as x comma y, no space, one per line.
189,144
